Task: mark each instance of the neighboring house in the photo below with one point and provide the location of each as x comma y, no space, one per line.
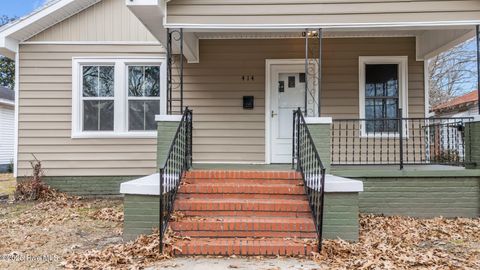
465,105
7,128
102,83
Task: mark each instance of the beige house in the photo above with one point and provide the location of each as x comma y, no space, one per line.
103,88
231,50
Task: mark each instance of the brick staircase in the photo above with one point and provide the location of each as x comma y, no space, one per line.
244,213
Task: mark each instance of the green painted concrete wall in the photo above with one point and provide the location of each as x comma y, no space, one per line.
321,136
472,144
141,215
86,185
340,218
419,193
166,132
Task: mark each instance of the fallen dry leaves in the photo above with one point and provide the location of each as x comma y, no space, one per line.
110,214
131,255
407,243
54,228
86,234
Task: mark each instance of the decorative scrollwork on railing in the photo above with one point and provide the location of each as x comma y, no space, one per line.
175,64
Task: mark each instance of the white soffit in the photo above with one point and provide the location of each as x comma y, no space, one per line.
24,28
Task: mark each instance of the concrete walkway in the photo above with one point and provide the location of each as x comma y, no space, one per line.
202,263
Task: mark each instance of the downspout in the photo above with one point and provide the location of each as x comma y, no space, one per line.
17,94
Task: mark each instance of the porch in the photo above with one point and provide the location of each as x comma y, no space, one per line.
320,97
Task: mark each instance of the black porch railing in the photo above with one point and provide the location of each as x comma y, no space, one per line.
310,166
400,141
179,160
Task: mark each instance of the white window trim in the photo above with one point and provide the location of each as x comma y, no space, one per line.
402,62
120,93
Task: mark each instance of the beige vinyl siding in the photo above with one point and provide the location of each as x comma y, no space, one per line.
108,20
45,116
312,12
225,132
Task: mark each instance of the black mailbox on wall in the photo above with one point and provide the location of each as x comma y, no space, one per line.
248,102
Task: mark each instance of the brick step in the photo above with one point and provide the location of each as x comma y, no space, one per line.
244,188
217,213
240,205
242,180
245,246
187,196
245,227
222,174
243,234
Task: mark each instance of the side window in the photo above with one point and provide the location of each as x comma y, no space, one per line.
143,97
98,98
117,97
381,97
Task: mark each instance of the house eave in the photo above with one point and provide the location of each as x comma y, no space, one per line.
37,21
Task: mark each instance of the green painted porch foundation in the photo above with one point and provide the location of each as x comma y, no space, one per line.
447,193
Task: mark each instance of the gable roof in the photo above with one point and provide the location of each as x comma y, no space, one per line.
7,96
40,19
458,102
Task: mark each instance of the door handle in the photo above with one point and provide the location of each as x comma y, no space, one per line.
273,114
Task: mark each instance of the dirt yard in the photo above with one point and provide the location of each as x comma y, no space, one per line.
86,234
7,184
40,235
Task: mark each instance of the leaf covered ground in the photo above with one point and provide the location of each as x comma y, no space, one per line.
7,184
86,234
38,235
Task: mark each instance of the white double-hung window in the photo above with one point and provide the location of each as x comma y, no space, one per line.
383,92
117,97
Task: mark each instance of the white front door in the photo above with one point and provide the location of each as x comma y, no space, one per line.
287,93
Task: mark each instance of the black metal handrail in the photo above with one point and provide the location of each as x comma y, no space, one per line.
311,168
177,163
400,141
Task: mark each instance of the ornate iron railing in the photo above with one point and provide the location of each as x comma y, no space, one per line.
400,141
177,163
310,166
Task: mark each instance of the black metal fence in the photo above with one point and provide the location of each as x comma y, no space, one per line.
178,161
309,164
400,141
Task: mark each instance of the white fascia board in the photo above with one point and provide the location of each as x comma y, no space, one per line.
152,14
48,16
8,47
385,25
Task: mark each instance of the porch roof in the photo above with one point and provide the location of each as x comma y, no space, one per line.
437,25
